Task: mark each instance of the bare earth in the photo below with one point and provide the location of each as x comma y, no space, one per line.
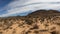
34,23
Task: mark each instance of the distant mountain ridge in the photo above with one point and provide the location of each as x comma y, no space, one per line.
44,13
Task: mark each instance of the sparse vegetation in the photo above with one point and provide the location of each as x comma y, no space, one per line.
34,27
29,22
0,32
34,22
54,32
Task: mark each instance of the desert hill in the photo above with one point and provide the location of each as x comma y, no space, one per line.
44,13
38,22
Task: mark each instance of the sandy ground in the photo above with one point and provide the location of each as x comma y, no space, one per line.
21,27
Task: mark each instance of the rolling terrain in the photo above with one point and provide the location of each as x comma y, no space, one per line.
38,22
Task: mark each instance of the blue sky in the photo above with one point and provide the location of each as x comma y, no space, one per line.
24,7
3,3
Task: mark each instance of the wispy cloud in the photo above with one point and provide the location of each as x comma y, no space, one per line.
21,6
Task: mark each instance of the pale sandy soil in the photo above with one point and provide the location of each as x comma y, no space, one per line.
43,22
49,26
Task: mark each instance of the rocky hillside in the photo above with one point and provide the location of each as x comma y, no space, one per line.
38,22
